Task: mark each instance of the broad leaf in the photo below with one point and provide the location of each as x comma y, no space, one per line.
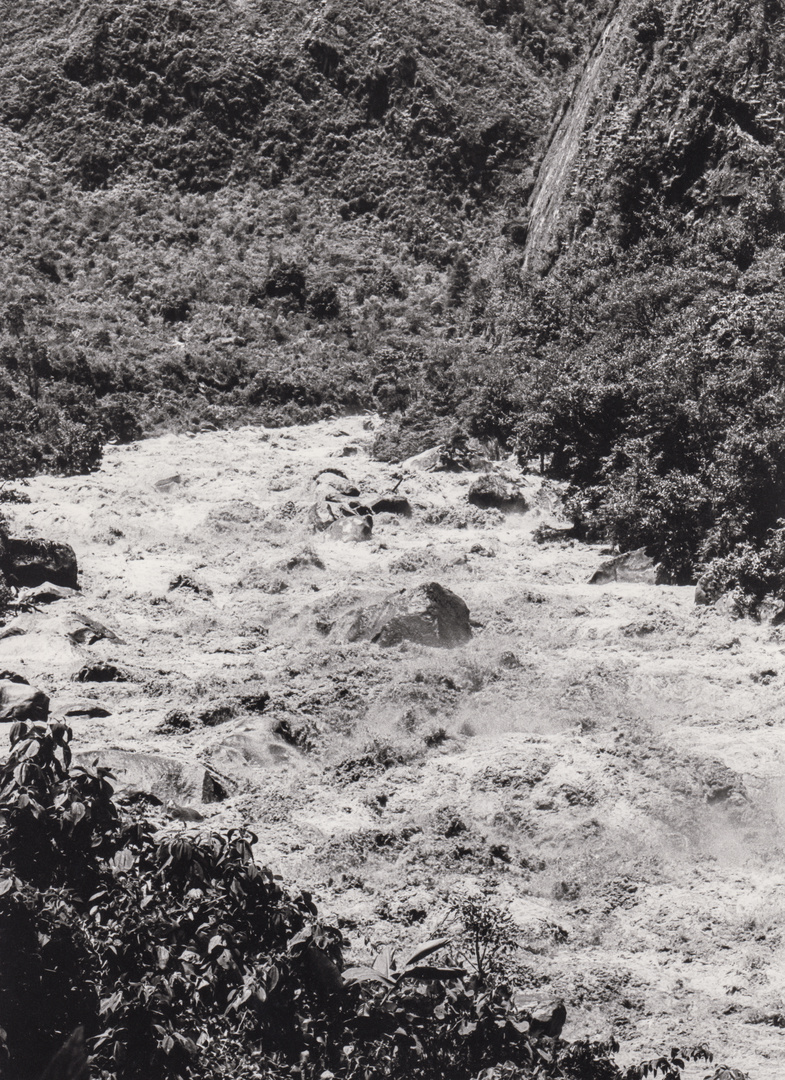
426,949
383,962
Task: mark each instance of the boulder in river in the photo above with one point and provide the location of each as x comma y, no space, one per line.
21,701
45,593
32,562
351,529
635,567
428,615
492,491
163,778
101,671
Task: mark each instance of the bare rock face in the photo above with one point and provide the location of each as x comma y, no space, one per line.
493,491
21,701
634,566
33,562
428,615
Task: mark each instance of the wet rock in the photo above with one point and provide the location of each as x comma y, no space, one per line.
336,482
166,483
492,491
45,593
428,615
154,774
182,813
427,461
462,455
353,529
304,559
392,504
213,789
298,735
330,514
21,701
100,672
190,584
323,514
633,566
88,709
87,631
176,720
257,702
143,800
29,563
217,714
241,758
544,534
547,1019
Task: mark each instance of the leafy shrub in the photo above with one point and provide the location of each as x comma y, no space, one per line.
287,281
164,943
750,573
323,301
487,937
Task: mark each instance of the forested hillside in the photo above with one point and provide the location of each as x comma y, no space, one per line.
215,209
557,224
650,350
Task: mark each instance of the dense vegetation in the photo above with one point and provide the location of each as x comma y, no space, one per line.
180,956
651,356
220,212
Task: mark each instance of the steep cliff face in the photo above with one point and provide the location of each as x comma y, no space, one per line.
552,191
675,120
644,313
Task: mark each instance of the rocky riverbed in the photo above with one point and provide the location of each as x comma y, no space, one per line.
607,761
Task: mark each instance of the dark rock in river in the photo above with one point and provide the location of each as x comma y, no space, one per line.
428,615
21,701
33,562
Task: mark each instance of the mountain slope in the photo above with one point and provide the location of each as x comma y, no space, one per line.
206,205
644,314
221,212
